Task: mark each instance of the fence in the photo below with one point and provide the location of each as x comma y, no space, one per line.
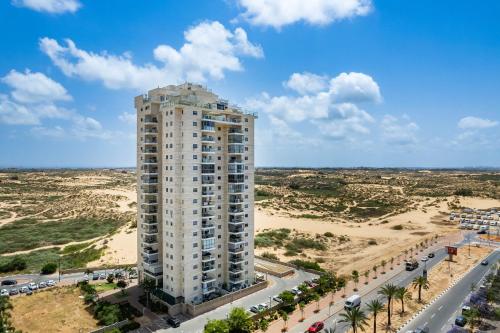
118,324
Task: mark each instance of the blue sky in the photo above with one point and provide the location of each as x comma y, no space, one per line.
340,83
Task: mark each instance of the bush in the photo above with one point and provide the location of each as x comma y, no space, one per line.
269,255
328,234
465,192
15,264
307,264
107,313
372,242
110,278
49,268
397,227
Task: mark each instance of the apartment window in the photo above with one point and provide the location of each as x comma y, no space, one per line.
218,168
246,139
219,148
195,255
219,227
219,158
195,200
195,190
195,167
195,157
195,234
218,236
246,120
195,222
195,277
195,245
218,128
195,135
246,129
246,158
195,179
195,113
195,145
195,123
246,148
218,139
195,211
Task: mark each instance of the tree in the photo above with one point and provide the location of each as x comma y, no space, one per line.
302,306
355,317
288,300
284,316
304,289
110,278
406,254
389,291
374,269
366,274
383,263
49,268
216,326
122,285
341,284
392,263
355,279
239,321
473,317
263,325
315,297
148,285
403,294
420,282
5,308
375,307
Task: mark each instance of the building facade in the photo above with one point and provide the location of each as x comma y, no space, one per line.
195,194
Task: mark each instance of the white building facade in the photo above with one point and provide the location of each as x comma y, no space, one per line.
195,194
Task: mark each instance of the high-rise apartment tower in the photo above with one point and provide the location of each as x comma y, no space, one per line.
195,194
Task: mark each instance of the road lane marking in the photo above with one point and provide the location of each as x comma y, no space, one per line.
439,309
425,324
433,315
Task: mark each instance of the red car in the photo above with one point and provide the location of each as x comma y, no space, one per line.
316,327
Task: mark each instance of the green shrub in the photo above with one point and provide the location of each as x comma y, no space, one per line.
465,192
307,264
107,313
15,264
49,268
372,242
397,227
269,255
328,234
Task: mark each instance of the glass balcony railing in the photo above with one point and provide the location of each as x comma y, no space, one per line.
235,131
234,188
236,179
233,149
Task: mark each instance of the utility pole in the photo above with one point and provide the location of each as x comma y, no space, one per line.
59,270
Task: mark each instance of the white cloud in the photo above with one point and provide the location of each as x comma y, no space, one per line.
399,131
476,123
278,13
209,51
305,83
52,132
31,87
345,120
12,113
49,6
355,87
129,118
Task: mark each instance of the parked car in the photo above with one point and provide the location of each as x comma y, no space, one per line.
263,306
13,292
254,309
296,291
9,282
102,276
424,329
460,321
95,276
277,299
174,322
424,259
42,285
465,309
32,286
24,290
431,255
484,262
316,327
29,292
51,283
4,292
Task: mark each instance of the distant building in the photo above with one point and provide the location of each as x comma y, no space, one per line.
195,194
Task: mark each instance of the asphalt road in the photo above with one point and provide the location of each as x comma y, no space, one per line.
440,316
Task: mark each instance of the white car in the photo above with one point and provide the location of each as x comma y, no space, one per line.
23,290
51,283
32,286
424,259
4,292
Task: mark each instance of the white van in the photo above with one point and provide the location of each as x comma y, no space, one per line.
352,302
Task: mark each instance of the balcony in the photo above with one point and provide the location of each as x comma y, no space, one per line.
150,141
236,229
206,234
150,240
236,259
150,210
235,169
235,139
207,257
233,188
207,203
235,149
207,138
150,121
150,150
149,251
235,239
235,210
236,179
235,131
149,190
152,130
207,150
235,199
151,160
149,180
208,244
207,193
207,180
236,248
208,290
151,230
207,267
206,278
207,225
150,220
236,269
207,126
236,219
207,160
223,119
236,278
208,169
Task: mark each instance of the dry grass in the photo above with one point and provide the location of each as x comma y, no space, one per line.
52,310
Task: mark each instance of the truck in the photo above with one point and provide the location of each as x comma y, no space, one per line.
352,302
411,265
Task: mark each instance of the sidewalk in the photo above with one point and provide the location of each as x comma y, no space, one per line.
326,312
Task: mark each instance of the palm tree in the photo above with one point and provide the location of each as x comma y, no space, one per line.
473,317
366,274
392,263
355,279
383,263
375,306
403,294
389,291
216,326
420,282
284,316
355,317
301,307
341,284
315,297
374,268
472,287
406,254
263,325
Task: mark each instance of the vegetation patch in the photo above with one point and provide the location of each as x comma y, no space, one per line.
27,234
307,264
397,227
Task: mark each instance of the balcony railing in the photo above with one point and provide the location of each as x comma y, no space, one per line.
149,250
152,130
236,259
234,149
236,249
235,131
208,193
151,161
235,168
150,240
207,138
205,149
150,150
150,120
232,188
225,119
236,179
